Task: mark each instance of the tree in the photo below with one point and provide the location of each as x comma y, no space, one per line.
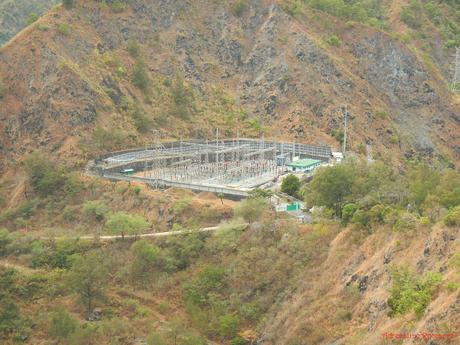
251,209
124,223
229,325
347,213
32,18
260,193
146,260
95,209
10,317
453,217
141,77
331,186
422,181
44,176
290,185
89,277
68,4
62,324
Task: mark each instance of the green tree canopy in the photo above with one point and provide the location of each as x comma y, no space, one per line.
290,185
331,186
89,277
251,209
124,223
62,324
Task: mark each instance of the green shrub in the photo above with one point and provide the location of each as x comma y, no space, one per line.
33,17
412,15
260,193
147,259
95,210
5,240
134,49
238,7
64,29
140,76
362,219
455,262
88,278
410,292
62,324
229,325
182,98
124,223
181,205
142,122
68,4
347,213
2,89
118,6
290,185
251,209
406,221
202,289
45,177
107,139
453,217
156,339
333,40
453,286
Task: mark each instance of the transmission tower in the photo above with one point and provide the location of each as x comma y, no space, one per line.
345,114
456,80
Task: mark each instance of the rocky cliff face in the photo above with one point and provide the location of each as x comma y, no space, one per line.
260,70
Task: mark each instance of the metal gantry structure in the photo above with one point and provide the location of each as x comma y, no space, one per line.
237,163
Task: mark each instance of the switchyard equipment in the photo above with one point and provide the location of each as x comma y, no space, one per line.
230,166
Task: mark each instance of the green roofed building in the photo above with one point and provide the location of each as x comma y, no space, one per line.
304,165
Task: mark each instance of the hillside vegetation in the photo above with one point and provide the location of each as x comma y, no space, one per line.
382,252
369,263
17,14
110,74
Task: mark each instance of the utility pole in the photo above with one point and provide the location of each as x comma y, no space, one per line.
217,146
344,148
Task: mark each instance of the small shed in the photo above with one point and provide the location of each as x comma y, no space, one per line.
304,165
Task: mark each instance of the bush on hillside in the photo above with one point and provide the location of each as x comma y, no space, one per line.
2,89
251,209
32,18
201,290
62,324
95,210
347,212
68,4
453,217
410,292
142,122
45,177
290,185
238,7
123,223
89,277
147,260
140,76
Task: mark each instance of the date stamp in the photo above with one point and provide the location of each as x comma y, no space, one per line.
419,336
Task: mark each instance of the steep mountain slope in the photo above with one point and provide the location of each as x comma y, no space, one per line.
100,76
15,13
